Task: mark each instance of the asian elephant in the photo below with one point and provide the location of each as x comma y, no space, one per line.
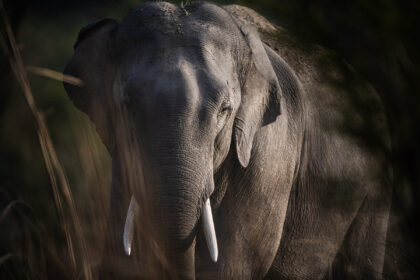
258,155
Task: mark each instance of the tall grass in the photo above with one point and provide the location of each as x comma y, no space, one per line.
91,249
76,246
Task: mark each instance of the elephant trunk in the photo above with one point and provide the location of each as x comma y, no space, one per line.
179,198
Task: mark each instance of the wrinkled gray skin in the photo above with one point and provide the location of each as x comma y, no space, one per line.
230,107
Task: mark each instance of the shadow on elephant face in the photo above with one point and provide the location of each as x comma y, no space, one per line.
174,86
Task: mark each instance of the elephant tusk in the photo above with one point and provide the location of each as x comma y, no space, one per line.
129,226
209,233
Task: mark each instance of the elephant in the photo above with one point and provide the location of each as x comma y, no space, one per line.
238,151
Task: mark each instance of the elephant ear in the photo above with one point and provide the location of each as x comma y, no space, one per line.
260,97
91,63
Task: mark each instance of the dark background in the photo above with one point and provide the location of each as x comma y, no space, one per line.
379,38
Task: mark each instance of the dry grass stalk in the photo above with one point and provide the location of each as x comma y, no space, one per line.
54,168
54,75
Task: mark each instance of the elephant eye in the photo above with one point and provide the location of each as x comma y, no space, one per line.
222,115
225,108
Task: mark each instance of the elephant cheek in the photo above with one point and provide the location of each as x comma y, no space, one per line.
221,147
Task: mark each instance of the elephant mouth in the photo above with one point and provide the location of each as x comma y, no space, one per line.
206,220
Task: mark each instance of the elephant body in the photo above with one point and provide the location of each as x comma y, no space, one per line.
339,205
286,141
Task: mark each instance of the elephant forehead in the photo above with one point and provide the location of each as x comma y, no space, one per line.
177,78
163,24
170,17
184,79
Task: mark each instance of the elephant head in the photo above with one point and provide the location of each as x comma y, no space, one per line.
177,88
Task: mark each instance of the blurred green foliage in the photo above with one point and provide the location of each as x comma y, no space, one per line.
379,38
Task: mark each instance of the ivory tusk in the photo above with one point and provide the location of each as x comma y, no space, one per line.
209,233
129,226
